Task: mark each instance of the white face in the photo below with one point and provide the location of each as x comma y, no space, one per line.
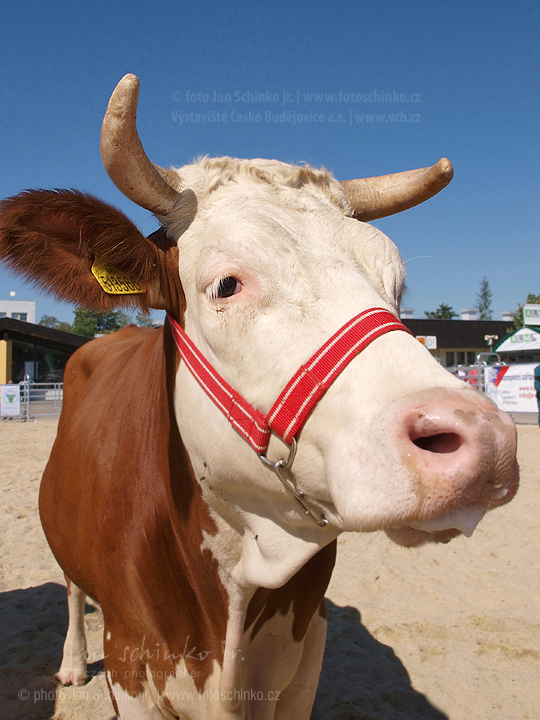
267,281
268,285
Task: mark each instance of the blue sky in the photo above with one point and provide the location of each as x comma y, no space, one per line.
463,78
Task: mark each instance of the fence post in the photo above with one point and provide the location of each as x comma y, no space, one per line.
26,385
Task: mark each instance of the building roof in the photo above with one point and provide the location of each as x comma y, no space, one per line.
11,329
458,333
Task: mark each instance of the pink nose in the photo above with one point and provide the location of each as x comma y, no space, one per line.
462,449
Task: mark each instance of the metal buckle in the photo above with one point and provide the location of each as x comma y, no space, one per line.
290,485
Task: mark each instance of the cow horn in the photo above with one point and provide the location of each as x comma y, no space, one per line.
150,186
377,197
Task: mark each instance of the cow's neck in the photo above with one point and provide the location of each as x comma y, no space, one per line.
263,539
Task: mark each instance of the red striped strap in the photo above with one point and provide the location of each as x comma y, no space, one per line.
249,422
294,405
305,389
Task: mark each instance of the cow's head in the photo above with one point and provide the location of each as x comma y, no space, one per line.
262,262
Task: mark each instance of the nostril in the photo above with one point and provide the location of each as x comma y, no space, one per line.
439,443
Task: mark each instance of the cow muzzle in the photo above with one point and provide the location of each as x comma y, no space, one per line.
459,452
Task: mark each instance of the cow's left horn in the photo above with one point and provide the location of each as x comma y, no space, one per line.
377,197
150,186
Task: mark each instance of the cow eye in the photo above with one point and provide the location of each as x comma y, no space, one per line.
226,287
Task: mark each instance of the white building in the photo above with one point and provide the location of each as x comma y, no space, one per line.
18,310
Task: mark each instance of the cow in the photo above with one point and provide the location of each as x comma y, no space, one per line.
183,493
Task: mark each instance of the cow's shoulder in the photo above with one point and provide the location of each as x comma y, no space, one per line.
118,360
106,350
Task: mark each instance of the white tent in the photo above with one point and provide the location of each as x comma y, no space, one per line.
522,340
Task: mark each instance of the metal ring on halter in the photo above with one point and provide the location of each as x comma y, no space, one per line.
285,464
298,495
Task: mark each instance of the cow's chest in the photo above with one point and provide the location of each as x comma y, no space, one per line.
259,664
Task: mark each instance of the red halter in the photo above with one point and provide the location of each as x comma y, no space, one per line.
294,405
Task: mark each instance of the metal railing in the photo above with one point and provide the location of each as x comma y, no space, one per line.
471,374
40,399
474,375
482,363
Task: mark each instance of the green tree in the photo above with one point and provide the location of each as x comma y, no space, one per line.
51,322
443,312
91,323
144,320
518,317
483,300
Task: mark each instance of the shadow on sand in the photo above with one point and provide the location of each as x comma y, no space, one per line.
363,679
33,624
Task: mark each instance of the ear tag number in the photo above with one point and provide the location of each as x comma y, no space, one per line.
113,281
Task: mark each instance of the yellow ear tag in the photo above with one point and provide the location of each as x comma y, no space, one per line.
113,281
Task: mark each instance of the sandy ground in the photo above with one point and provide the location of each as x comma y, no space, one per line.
440,632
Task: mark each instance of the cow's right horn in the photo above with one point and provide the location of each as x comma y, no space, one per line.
150,186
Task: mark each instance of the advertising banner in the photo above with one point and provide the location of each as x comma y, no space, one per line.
531,314
511,387
430,341
10,400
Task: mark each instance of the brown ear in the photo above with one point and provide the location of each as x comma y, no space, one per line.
52,237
